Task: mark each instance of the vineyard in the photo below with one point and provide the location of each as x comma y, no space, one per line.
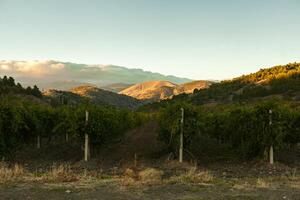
247,129
23,122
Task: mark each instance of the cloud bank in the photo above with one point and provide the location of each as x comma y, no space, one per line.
46,73
31,68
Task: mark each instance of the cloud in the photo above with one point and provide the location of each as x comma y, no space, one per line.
30,68
44,73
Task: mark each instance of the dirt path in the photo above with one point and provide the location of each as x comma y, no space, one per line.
114,192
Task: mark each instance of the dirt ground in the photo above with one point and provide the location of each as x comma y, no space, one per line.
112,191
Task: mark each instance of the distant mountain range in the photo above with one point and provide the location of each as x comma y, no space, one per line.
65,75
159,90
130,97
281,81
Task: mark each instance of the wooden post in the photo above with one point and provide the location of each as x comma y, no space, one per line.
86,139
135,160
181,137
271,153
67,137
38,145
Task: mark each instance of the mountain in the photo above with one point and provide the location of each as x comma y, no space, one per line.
159,90
54,74
116,87
94,95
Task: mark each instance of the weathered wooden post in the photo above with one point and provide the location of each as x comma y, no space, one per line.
67,137
181,136
135,160
38,145
271,153
86,139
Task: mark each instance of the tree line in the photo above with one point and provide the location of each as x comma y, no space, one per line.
8,85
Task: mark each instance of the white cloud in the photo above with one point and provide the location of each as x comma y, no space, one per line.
5,67
32,68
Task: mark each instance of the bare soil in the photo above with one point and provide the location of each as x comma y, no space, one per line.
111,190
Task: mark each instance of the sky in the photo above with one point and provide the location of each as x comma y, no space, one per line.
212,39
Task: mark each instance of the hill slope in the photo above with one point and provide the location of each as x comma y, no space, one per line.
94,95
62,85
116,87
282,80
159,90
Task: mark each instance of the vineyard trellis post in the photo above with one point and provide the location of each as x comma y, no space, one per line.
86,139
38,141
181,136
271,153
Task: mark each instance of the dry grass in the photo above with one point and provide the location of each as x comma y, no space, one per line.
10,173
260,183
151,175
129,178
147,176
193,175
60,173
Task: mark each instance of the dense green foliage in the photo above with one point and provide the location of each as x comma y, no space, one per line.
8,85
22,120
244,128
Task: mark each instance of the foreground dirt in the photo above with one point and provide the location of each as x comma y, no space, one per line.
111,191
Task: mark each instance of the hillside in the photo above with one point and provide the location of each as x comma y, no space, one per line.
92,94
63,97
159,90
282,80
64,85
116,87
54,74
191,86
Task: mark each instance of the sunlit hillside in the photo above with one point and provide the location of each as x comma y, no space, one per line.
160,90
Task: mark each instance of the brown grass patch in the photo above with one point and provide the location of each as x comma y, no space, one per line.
193,176
60,173
150,175
260,183
10,173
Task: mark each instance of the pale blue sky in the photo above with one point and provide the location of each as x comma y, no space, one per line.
213,39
